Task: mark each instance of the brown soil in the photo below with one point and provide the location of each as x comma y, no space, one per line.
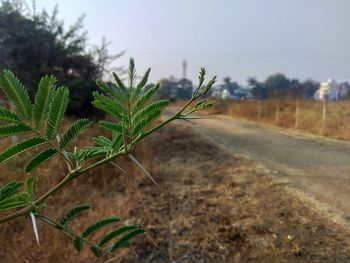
211,206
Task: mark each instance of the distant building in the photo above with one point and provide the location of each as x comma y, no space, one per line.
223,93
331,90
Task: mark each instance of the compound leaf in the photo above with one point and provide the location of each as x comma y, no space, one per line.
116,232
14,129
98,225
10,190
97,251
121,242
58,107
42,100
78,243
74,131
40,159
20,148
142,100
16,93
72,213
8,116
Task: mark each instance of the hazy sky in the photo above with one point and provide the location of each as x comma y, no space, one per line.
237,38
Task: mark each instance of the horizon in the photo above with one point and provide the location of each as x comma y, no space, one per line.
303,40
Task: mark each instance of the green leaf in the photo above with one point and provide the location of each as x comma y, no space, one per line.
6,115
72,213
11,203
98,225
58,107
74,131
117,141
16,93
102,141
97,251
78,243
42,100
140,85
141,101
109,105
14,129
113,127
30,188
91,152
154,107
125,239
10,190
116,232
40,159
112,92
120,85
143,123
20,148
132,73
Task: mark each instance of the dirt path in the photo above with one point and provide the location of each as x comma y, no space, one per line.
319,167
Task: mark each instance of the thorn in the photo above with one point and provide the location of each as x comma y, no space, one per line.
121,169
142,169
35,227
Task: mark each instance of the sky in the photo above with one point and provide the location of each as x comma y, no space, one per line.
237,38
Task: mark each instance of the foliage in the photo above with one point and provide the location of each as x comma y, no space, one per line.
133,110
37,44
279,86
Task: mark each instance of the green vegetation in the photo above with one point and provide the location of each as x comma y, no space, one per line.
133,116
37,44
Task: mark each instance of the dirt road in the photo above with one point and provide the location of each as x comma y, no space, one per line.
319,167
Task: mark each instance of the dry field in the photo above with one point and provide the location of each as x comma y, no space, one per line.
309,115
211,206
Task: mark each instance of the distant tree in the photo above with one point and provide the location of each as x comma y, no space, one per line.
258,89
168,89
277,85
230,86
36,44
103,59
309,88
295,89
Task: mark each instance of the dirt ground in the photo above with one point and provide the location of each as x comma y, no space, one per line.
317,166
210,206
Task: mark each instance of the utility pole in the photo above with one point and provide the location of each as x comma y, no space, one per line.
184,69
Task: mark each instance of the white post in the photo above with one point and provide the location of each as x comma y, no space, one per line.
324,115
277,113
296,114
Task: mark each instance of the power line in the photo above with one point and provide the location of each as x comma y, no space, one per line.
240,56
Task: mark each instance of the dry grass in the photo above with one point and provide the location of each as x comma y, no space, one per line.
211,207
337,124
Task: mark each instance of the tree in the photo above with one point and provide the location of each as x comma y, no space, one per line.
38,44
295,89
168,89
309,88
231,87
258,89
277,85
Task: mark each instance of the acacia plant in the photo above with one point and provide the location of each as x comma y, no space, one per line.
133,111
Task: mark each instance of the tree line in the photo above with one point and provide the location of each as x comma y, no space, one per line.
279,86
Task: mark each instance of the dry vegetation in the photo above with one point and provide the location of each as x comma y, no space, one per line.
336,125
211,206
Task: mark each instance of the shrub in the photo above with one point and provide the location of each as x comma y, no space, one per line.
133,113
